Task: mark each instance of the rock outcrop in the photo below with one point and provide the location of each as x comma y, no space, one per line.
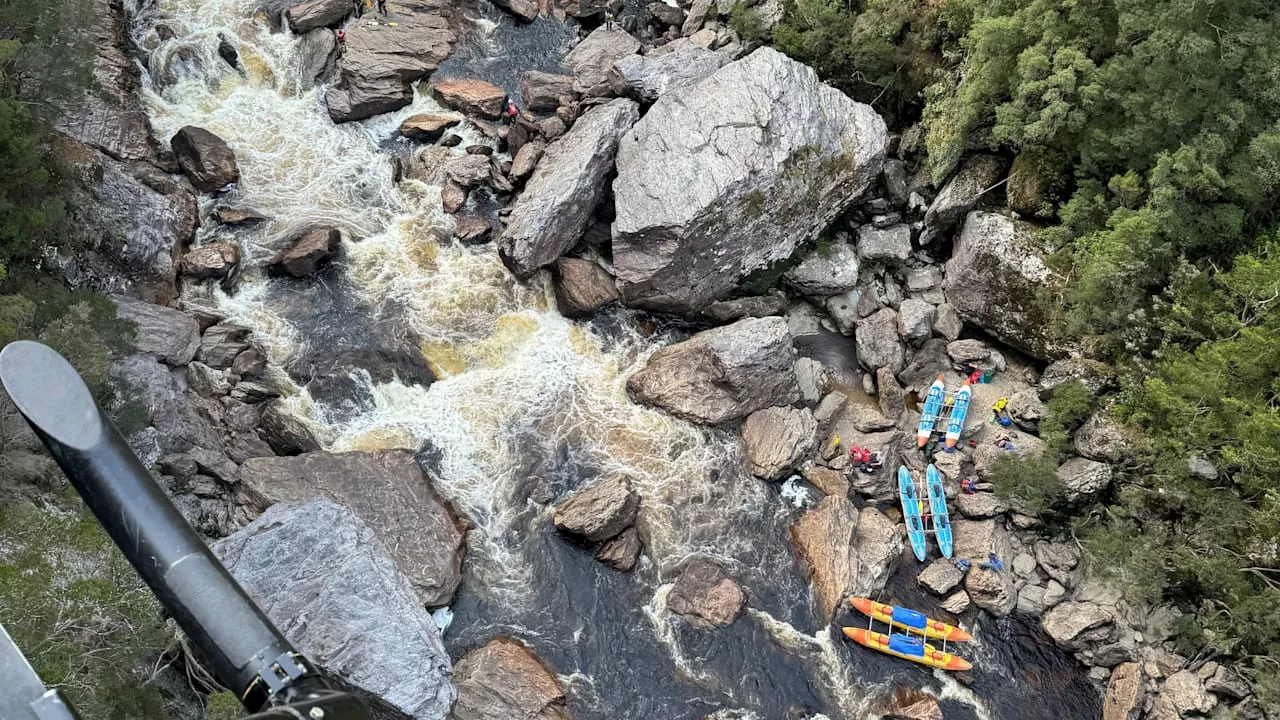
879,345
502,680
649,77
1072,624
1083,478
164,332
993,279
705,595
205,158
557,204
217,260
380,61
846,552
542,91
721,374
732,174
325,578
599,511
389,492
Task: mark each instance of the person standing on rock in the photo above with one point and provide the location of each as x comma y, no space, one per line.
382,7
360,8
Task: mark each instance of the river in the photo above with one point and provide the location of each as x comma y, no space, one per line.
523,393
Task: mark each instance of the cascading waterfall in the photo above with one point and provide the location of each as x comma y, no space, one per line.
520,391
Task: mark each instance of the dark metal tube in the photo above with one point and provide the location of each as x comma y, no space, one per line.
223,622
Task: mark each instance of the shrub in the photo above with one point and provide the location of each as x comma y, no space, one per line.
1032,483
78,610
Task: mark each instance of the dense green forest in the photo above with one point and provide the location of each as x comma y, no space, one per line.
1147,141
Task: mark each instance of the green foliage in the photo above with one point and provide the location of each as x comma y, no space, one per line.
79,612
78,323
1032,483
223,705
881,51
1132,556
747,23
1072,403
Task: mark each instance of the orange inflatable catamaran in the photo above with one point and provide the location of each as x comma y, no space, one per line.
907,648
909,620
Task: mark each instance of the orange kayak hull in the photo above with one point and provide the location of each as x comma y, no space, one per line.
932,657
931,629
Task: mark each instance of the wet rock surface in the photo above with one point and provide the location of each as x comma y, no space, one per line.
582,287
205,158
705,595
503,679
600,511
306,253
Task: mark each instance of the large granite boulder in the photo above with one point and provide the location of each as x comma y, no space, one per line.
977,175
581,286
731,175
326,579
306,253
389,492
721,374
878,342
381,61
1124,693
705,595
164,332
591,60
313,14
471,96
556,206
993,278
542,91
1083,478
1074,624
777,439
846,552
599,511
205,158
825,272
503,680
216,260
649,77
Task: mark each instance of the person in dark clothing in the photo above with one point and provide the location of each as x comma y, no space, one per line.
359,8
382,7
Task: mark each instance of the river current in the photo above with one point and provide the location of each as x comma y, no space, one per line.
523,393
